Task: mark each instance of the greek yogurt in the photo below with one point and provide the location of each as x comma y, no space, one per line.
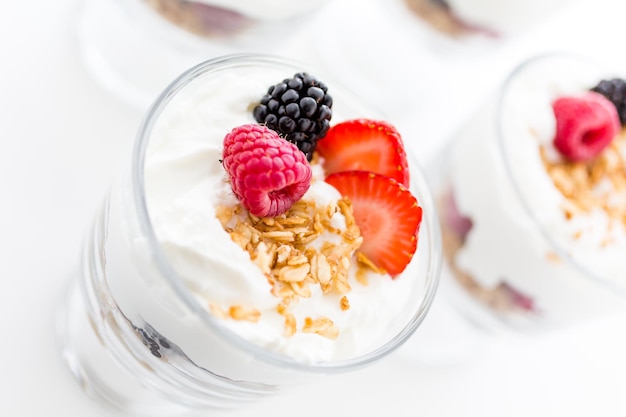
528,254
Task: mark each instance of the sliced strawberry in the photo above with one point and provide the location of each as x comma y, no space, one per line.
365,145
387,214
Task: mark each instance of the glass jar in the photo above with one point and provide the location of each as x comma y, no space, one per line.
140,335
532,240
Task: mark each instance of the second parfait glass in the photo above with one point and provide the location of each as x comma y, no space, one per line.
533,241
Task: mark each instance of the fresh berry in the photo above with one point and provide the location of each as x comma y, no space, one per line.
614,89
387,214
267,173
299,109
365,145
585,125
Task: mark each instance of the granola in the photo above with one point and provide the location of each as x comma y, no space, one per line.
282,249
596,184
584,187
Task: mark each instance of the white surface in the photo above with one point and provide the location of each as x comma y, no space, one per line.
63,137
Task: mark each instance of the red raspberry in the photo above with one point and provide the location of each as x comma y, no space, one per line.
584,125
267,173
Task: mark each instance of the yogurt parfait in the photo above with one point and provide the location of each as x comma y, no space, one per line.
532,193
271,228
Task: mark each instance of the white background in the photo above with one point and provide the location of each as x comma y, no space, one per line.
62,138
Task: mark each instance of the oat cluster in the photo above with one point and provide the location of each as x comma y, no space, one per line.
598,183
285,250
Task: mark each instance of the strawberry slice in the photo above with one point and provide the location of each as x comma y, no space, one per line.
365,145
387,214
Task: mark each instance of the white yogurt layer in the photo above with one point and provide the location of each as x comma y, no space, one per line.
505,244
185,182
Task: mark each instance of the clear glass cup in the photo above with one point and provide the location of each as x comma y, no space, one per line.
524,255
134,48
135,334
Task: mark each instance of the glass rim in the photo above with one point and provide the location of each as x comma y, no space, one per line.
513,177
176,283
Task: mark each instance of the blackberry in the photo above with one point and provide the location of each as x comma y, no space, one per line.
299,109
153,340
615,90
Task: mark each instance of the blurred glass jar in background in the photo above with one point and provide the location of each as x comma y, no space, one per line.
134,48
534,239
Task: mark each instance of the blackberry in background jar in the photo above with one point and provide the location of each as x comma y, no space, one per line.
614,89
299,109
